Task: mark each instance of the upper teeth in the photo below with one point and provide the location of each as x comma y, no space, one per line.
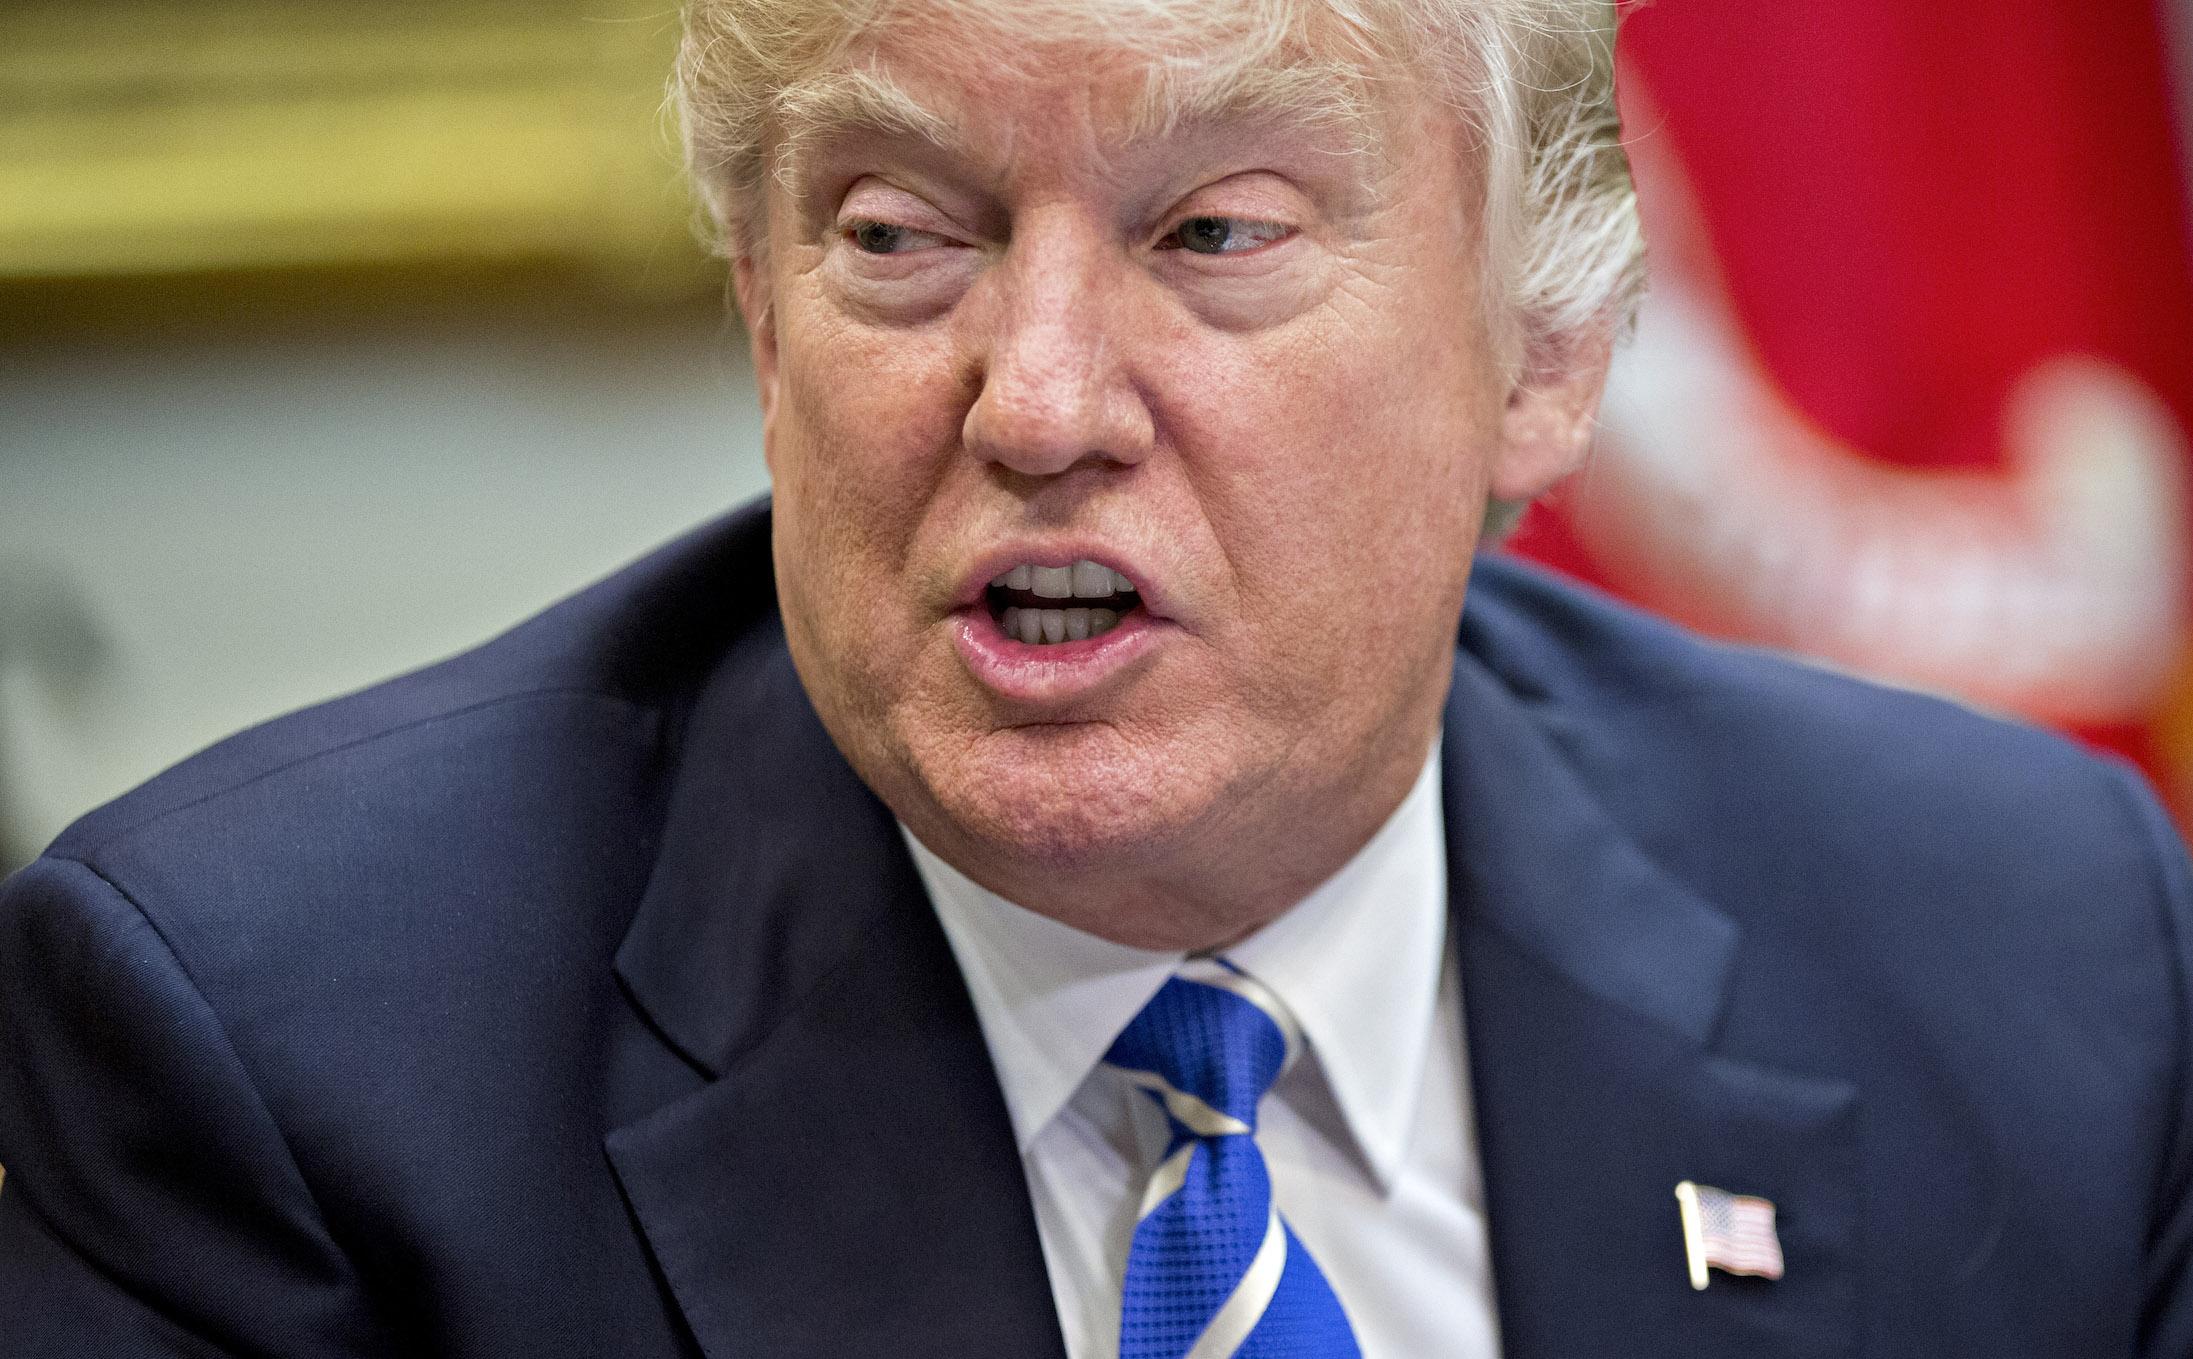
1082,580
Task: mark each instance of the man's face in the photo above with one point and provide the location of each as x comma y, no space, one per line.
1240,363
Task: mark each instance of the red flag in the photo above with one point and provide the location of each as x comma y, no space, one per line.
1913,390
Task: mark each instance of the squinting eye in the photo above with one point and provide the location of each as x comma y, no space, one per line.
883,238
1221,235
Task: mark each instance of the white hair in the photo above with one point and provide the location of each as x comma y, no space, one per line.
1533,78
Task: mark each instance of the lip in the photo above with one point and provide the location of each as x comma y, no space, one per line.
1056,674
1061,672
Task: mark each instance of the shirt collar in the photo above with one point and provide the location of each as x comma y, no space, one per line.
1357,961
1050,998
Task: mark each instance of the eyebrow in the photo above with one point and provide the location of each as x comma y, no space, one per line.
847,103
1322,97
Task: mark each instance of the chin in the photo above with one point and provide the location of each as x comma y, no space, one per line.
1068,798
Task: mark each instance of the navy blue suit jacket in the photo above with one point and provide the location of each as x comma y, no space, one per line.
573,997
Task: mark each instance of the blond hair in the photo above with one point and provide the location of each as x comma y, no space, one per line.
1533,78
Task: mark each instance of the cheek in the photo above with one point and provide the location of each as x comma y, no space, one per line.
1346,475
864,427
1343,479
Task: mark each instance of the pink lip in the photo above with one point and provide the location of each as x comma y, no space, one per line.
1047,676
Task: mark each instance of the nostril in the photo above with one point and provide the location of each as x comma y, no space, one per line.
1055,402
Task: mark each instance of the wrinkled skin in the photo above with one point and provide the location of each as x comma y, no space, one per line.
1292,440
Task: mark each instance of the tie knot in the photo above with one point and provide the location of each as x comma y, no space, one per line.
1207,1047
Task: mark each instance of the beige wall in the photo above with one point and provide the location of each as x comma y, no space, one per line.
200,528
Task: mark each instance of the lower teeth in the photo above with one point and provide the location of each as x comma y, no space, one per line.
1046,627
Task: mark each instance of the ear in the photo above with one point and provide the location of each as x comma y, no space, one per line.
750,285
1547,428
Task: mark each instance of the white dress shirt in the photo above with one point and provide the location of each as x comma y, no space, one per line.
1370,1140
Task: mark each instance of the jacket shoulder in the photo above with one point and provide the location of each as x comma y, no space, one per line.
1673,731
358,960
486,822
1897,863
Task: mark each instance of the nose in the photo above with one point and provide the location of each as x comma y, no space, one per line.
1057,388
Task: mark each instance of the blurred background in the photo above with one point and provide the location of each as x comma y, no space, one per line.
335,336
1912,392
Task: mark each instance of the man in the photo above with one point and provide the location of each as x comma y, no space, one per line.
1052,885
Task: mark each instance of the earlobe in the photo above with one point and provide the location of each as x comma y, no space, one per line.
1547,427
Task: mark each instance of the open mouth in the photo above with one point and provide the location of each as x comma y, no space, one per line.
1047,605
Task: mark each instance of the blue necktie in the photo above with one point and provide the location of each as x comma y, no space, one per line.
1213,1270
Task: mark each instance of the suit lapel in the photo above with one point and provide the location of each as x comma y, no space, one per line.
1593,987
844,1179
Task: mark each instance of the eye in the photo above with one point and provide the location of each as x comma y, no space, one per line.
886,238
1222,235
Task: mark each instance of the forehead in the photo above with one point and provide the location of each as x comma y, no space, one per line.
977,86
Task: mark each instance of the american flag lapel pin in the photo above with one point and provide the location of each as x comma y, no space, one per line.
1733,1233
